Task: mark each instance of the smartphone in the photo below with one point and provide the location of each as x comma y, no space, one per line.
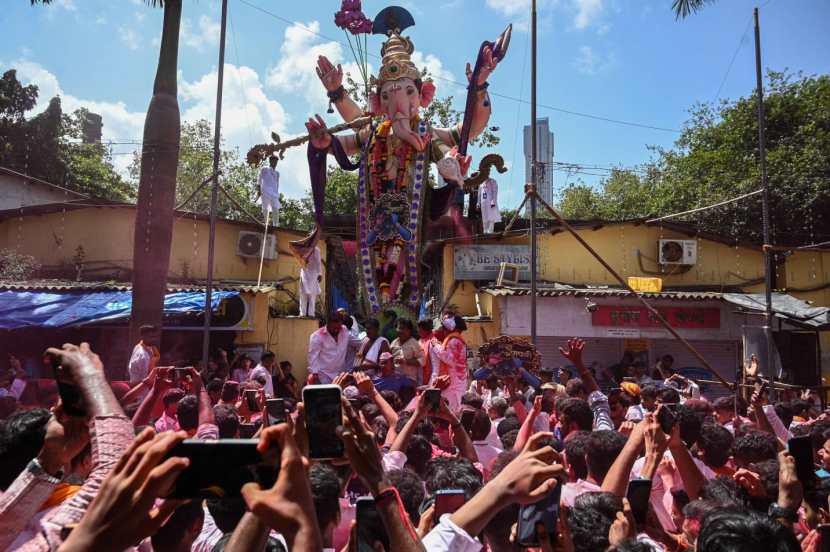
467,417
219,468
432,397
71,399
666,416
824,534
247,431
802,450
447,501
251,399
276,411
180,374
356,489
323,414
638,495
546,512
370,528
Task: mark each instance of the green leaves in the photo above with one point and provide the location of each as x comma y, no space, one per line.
716,158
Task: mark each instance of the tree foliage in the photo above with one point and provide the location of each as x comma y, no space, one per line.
196,165
716,158
49,145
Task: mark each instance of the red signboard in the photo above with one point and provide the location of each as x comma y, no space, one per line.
639,317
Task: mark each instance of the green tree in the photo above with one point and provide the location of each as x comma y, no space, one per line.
49,145
716,158
238,179
684,8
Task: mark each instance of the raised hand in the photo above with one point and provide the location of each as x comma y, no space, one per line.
77,358
750,481
65,437
790,489
574,351
124,511
361,449
623,527
487,67
287,507
529,477
329,75
316,128
364,384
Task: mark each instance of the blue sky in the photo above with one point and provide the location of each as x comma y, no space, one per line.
620,59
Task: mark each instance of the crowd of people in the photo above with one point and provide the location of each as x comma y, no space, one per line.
543,461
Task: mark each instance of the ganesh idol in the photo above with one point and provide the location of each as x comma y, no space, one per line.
395,149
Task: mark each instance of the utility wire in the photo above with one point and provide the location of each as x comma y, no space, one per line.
462,85
732,61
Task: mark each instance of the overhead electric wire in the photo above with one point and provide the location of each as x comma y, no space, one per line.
722,203
463,85
732,61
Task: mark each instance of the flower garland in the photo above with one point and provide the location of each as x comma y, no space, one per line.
381,150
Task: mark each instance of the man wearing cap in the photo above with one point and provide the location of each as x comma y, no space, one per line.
269,189
389,380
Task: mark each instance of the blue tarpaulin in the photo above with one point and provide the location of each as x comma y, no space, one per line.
20,309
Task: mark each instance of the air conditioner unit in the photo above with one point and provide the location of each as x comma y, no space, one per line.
249,244
677,252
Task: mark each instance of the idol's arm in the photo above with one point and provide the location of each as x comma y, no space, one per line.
480,119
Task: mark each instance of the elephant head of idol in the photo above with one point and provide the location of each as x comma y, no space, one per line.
398,93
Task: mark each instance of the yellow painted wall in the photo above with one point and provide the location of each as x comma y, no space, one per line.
287,337
106,235
563,259
807,276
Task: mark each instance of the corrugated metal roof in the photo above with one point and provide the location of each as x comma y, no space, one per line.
604,292
68,285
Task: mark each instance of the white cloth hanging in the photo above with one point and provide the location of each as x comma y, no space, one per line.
269,188
488,203
310,272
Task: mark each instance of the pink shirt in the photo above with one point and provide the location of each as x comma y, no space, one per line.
572,490
166,423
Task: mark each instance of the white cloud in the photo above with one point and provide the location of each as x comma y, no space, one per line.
587,12
68,5
120,124
100,20
433,65
206,35
294,71
129,37
139,16
589,62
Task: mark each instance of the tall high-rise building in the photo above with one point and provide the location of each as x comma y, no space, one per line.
544,156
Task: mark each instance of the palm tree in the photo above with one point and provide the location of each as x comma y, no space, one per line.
684,8
157,184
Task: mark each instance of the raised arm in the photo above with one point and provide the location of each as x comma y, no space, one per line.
332,79
574,354
616,480
365,385
205,408
527,425
690,474
144,414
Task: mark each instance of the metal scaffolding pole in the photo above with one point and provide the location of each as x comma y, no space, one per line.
214,191
532,185
762,152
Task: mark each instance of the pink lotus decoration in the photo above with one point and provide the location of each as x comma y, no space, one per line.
351,18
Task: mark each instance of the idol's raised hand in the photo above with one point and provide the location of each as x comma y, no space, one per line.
320,138
488,65
330,76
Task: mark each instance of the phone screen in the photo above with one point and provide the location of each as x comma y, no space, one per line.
467,417
638,495
824,533
447,501
323,414
545,512
666,417
802,450
251,399
370,528
276,411
219,468
433,399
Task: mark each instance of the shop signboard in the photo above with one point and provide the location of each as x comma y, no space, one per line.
482,262
640,317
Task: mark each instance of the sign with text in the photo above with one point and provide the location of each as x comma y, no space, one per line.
482,262
639,317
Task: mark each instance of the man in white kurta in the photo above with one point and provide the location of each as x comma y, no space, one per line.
269,189
488,203
310,276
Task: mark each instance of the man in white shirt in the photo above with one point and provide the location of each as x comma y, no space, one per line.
488,203
485,451
269,189
263,370
327,350
145,355
310,277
